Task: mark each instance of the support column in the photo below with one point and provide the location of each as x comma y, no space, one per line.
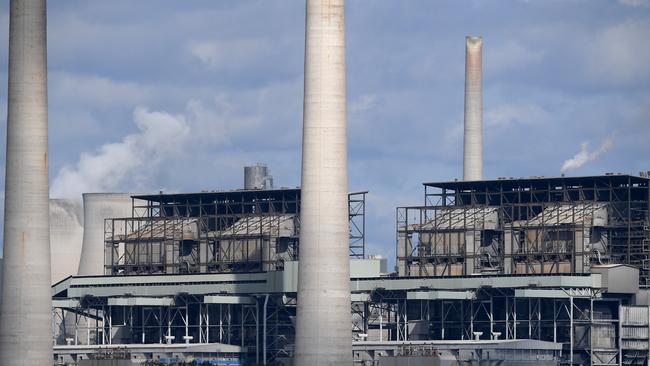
25,311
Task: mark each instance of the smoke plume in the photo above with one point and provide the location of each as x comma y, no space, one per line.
160,136
584,156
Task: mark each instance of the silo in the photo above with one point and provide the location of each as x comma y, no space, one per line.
97,208
473,131
257,177
323,328
66,237
26,303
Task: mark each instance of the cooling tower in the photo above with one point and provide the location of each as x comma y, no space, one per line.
97,208
66,236
473,137
26,308
323,329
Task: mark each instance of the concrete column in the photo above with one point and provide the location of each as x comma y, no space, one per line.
473,136
26,308
97,208
323,329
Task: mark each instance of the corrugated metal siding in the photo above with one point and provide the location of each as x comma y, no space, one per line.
634,315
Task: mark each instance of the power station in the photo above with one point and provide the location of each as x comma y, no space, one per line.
505,271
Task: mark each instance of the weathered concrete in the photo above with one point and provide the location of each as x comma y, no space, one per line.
473,136
25,311
97,208
66,237
323,329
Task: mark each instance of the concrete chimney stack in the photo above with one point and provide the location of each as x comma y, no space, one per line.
473,137
26,305
323,328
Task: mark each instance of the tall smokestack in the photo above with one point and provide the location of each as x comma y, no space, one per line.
473,144
323,329
26,307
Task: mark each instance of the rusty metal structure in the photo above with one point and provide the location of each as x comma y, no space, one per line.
214,232
526,226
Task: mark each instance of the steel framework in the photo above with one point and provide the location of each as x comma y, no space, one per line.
517,226
593,329
215,232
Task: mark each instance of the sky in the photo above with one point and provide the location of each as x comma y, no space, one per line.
178,95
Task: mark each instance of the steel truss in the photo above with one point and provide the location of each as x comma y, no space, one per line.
221,232
585,322
526,226
582,320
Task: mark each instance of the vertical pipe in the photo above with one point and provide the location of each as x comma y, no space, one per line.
25,311
323,329
571,330
442,319
257,332
266,302
554,320
473,136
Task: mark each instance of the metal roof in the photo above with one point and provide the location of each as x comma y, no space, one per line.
539,182
234,195
218,196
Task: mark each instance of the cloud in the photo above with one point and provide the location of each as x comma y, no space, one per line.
510,55
635,3
227,54
160,136
163,142
506,115
584,156
95,90
549,78
619,54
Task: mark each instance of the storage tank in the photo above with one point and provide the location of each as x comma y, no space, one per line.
257,177
97,208
66,237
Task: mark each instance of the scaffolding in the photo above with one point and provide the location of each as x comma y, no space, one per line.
526,226
215,232
357,212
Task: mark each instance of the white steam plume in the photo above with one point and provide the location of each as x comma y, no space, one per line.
160,136
584,156
162,140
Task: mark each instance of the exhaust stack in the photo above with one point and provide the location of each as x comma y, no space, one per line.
323,330
473,136
26,305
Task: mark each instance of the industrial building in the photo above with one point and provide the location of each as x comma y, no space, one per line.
512,271
515,270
